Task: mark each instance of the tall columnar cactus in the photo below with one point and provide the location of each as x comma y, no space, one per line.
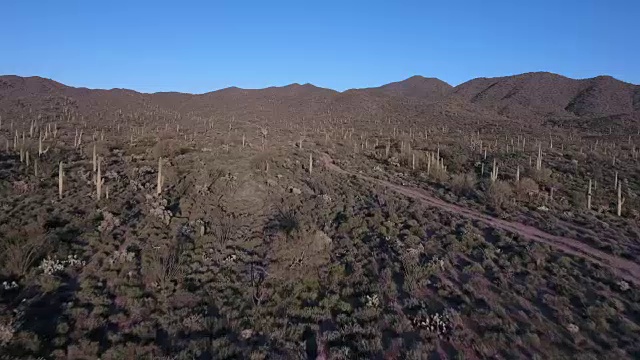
93,159
60,180
494,171
310,163
620,199
589,196
518,173
539,160
99,181
159,184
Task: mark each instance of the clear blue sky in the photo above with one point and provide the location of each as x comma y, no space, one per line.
198,46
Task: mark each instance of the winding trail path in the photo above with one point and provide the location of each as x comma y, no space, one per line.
624,268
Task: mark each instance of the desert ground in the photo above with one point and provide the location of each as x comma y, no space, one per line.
497,219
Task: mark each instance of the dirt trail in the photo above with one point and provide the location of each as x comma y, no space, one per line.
626,269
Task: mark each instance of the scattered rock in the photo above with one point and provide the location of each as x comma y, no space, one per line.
246,334
623,285
322,239
326,197
573,328
295,190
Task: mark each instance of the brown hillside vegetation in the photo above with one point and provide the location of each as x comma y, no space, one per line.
427,89
546,94
493,220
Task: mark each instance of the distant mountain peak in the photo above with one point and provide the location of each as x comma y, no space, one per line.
548,94
417,86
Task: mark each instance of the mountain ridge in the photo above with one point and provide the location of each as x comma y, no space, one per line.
535,95
413,77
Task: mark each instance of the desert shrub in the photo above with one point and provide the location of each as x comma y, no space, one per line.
438,174
285,220
18,255
525,187
227,226
542,176
183,150
161,266
454,160
579,199
498,194
463,184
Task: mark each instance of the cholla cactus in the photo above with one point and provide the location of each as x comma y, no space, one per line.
8,285
439,324
108,223
50,266
158,208
121,256
435,264
372,301
230,259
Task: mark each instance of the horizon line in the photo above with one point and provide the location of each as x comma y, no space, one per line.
311,84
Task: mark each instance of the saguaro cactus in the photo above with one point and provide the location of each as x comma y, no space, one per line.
60,180
310,163
159,185
620,199
93,161
539,159
99,181
494,171
589,196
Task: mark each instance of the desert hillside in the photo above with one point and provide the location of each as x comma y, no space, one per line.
497,219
